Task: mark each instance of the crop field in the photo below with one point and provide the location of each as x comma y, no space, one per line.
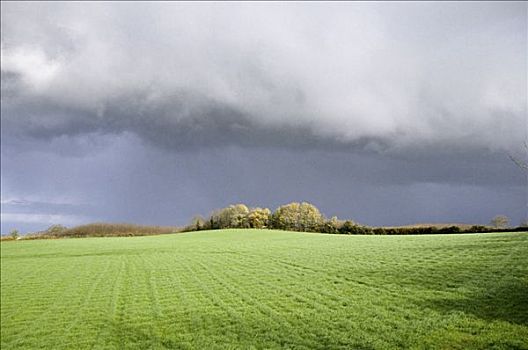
266,289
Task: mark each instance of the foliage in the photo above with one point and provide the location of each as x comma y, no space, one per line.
6,237
109,230
293,216
197,223
243,289
258,217
234,216
500,221
56,230
331,226
14,234
478,229
347,227
297,217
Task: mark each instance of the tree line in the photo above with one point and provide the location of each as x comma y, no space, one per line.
302,217
306,217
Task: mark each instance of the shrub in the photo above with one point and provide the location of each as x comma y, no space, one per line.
331,226
477,229
197,223
106,229
450,229
55,230
347,227
14,234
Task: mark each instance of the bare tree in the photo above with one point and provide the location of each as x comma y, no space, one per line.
198,223
523,164
14,234
500,221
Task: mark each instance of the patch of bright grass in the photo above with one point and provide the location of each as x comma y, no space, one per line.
266,289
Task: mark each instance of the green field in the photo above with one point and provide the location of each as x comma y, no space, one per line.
266,289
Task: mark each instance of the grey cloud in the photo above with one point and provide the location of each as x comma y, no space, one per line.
181,74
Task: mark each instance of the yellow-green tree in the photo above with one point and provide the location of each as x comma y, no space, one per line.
234,216
258,217
297,217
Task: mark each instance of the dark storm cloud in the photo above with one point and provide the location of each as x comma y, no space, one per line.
200,123
182,74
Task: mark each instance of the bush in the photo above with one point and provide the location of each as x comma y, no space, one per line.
56,230
331,226
450,229
477,229
106,230
197,223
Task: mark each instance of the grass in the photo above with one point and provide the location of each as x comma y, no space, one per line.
266,289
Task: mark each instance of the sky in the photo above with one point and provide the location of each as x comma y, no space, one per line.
151,113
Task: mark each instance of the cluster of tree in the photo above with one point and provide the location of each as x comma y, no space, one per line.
234,216
293,217
305,217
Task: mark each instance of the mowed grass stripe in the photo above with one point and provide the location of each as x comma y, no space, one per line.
262,313
265,308
266,289
60,301
300,308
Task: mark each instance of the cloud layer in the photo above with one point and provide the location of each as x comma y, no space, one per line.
183,75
